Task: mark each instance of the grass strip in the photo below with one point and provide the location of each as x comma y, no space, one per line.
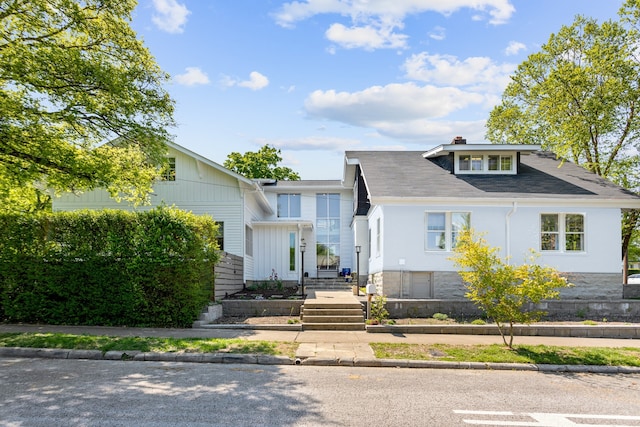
146,344
535,354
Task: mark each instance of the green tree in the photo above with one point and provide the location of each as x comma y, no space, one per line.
73,76
260,164
502,290
578,97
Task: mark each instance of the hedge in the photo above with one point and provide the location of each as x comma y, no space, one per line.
110,268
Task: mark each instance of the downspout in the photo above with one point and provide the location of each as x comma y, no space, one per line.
513,210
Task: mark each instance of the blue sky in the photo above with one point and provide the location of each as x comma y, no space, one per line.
317,77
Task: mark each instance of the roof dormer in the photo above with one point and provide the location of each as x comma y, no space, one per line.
482,159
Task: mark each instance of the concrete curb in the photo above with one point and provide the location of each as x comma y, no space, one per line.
259,359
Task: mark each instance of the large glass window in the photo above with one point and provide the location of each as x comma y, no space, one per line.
289,206
328,231
562,232
443,229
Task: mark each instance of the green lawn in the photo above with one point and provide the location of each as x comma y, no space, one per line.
536,354
106,343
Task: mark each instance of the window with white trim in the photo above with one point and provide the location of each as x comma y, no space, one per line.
168,172
289,206
443,229
485,163
248,240
500,163
562,232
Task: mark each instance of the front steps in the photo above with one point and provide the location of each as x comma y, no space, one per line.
337,283
332,311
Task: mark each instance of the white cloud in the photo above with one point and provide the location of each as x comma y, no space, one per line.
256,81
373,23
313,143
476,73
368,37
378,106
514,48
170,15
438,33
193,76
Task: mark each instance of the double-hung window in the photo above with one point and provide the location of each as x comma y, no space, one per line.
562,232
444,228
289,206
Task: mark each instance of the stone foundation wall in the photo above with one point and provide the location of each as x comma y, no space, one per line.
448,285
631,291
261,307
612,310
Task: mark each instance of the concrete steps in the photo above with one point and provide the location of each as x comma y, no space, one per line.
331,284
332,311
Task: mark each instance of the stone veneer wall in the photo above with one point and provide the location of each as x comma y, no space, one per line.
631,291
612,310
448,285
231,307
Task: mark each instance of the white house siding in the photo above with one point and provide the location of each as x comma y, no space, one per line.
198,188
308,215
597,272
272,243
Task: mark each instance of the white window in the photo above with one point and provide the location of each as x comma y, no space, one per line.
289,206
500,163
248,240
443,229
562,232
169,170
378,229
485,163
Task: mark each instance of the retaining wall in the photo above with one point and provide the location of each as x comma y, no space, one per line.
621,310
631,291
258,308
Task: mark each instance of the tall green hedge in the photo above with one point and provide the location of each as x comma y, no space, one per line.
150,268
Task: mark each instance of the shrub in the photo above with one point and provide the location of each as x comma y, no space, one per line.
150,268
378,308
440,316
500,289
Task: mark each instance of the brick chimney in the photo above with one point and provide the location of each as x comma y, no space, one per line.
458,140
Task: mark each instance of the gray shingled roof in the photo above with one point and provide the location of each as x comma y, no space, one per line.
408,174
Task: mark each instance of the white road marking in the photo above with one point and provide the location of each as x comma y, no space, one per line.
544,420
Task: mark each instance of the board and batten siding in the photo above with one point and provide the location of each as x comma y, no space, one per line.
198,188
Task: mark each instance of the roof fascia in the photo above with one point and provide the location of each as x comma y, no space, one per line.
442,150
494,201
244,182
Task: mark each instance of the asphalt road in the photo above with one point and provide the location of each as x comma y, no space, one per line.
45,392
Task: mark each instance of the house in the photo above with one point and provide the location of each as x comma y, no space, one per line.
394,216
262,221
409,206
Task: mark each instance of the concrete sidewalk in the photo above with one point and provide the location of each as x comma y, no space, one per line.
326,348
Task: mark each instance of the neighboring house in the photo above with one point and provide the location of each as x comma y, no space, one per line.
262,221
410,205
195,184
403,210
